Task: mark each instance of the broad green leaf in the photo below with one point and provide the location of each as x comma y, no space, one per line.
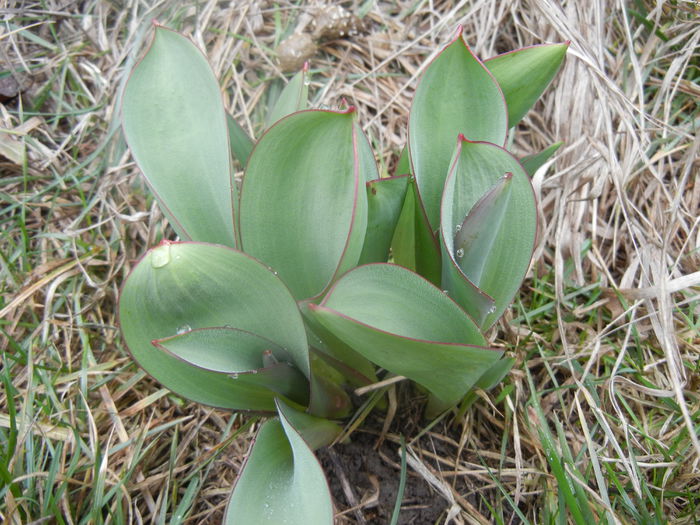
385,199
524,74
178,287
245,356
241,143
293,97
532,163
303,208
403,166
175,125
368,164
502,230
414,246
281,481
406,325
480,228
403,244
328,398
357,369
494,375
456,94
317,432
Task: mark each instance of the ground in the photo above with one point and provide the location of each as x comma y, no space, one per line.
597,420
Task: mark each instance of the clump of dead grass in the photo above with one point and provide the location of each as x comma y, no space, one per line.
604,396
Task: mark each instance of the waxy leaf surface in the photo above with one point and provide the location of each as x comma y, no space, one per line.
385,198
294,97
303,207
281,482
241,143
456,94
532,163
406,325
178,287
414,246
524,74
501,230
245,356
175,124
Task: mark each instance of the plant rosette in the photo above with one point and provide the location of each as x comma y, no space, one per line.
303,281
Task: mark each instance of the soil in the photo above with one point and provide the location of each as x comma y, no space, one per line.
371,476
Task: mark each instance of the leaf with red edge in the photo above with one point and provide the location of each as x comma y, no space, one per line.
178,287
501,223
456,94
404,324
524,74
175,124
245,356
303,208
281,480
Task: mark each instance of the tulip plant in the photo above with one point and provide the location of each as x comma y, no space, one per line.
315,274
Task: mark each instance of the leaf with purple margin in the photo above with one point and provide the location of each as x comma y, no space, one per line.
281,480
178,287
456,94
477,168
524,74
174,121
406,325
303,208
245,356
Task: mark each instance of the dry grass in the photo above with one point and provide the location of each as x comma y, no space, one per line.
604,396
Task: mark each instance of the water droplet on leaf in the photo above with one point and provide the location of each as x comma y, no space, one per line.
160,256
184,328
460,253
458,228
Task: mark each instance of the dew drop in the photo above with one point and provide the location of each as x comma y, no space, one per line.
445,291
492,309
234,375
184,328
460,253
160,256
458,228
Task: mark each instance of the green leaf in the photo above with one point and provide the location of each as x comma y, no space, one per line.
456,94
524,74
178,287
406,325
317,432
414,246
532,163
303,207
368,164
501,221
403,244
478,232
354,367
403,166
175,125
385,199
241,143
281,481
245,356
294,97
494,375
